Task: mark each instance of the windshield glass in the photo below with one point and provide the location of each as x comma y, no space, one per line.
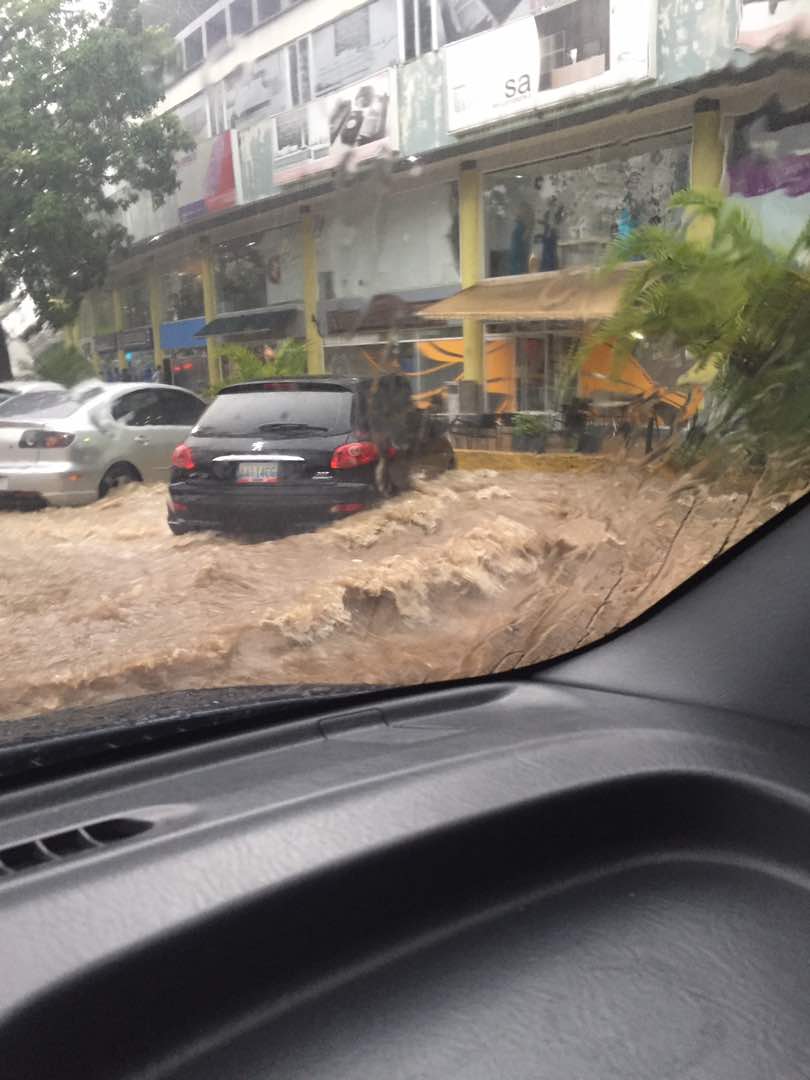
421,340
282,408
40,404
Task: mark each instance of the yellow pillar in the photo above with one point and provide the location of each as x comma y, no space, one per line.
155,313
118,322
315,358
210,312
708,153
472,257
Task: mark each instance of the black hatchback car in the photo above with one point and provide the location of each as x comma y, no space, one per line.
289,453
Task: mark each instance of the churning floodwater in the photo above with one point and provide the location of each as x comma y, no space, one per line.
467,574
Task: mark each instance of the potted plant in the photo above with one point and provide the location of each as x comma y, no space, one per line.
529,431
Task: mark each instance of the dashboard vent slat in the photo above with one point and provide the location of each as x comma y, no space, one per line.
43,850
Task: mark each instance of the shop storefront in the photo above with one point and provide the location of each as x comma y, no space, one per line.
547,226
185,358
105,350
139,354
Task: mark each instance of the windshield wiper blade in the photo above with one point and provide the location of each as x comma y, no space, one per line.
289,426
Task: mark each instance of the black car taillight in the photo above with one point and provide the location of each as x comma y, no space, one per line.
182,458
37,439
350,455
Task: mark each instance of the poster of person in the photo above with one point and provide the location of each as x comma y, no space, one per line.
768,170
351,125
770,23
568,47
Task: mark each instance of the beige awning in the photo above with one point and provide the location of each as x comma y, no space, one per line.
581,295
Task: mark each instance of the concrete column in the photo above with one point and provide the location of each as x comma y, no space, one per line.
153,280
471,241
210,311
315,357
118,320
708,155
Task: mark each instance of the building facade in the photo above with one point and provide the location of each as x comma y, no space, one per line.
425,181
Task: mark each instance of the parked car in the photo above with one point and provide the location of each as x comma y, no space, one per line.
294,452
68,447
14,387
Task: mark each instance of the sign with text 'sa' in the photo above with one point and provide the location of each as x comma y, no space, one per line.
564,50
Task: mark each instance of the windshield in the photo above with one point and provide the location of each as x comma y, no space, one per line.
286,408
422,340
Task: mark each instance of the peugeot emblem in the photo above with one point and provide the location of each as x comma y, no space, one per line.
257,447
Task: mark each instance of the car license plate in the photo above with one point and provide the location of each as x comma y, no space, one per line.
257,472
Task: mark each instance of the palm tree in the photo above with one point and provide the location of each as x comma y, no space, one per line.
728,300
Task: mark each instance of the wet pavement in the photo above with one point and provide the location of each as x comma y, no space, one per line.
467,574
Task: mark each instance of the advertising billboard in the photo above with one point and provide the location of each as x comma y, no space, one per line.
207,179
568,48
769,23
351,125
768,170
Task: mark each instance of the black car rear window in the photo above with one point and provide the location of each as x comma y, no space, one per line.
278,409
40,405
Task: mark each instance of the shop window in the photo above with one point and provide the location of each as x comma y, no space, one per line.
182,295
300,82
418,25
134,304
562,214
216,109
241,16
241,270
193,115
194,48
268,9
216,30
103,313
353,31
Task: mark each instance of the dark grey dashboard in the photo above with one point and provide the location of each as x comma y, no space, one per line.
597,870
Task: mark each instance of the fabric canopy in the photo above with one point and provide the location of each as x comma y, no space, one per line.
580,295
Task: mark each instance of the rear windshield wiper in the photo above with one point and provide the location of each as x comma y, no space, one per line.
288,426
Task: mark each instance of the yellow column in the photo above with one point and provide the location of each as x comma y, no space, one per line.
472,257
155,316
315,358
118,319
210,312
708,153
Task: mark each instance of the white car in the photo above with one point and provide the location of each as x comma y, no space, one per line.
69,447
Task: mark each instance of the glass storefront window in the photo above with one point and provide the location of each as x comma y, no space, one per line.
103,313
134,304
181,293
564,213
242,268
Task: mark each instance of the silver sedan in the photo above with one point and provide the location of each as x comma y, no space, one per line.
68,447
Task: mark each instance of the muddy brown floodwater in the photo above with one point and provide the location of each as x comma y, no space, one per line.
471,573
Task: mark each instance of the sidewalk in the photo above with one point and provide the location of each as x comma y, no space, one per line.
509,461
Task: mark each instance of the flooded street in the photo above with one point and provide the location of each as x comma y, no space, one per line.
471,573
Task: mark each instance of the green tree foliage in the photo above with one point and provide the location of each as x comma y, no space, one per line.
78,141
64,364
244,365
730,299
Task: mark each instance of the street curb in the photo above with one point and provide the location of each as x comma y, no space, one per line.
506,461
